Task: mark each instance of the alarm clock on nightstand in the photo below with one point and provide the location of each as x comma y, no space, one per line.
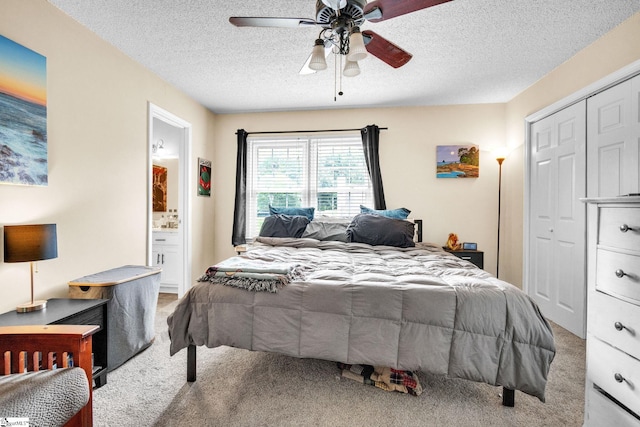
469,246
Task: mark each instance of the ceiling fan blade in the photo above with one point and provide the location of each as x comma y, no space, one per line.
392,8
248,21
384,50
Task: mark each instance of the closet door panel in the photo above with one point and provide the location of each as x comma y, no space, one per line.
612,152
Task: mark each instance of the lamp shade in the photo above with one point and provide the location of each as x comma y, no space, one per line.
24,243
318,61
357,50
351,69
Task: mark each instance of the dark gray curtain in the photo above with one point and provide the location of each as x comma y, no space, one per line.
239,212
370,144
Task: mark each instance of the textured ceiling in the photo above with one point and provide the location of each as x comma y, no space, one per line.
464,51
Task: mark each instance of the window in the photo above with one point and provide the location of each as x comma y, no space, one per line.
328,173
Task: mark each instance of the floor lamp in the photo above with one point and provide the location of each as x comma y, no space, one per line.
500,158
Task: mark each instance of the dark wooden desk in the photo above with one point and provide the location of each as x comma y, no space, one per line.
63,311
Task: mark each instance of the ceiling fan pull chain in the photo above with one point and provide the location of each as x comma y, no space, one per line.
339,72
335,78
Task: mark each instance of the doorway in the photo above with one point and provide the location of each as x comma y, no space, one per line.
169,199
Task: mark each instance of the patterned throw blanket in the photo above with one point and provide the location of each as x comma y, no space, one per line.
385,378
252,274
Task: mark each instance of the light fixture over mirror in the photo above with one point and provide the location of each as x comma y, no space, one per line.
157,146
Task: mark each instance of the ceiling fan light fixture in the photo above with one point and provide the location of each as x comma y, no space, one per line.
357,50
318,61
351,69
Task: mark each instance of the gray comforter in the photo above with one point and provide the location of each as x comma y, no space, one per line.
414,309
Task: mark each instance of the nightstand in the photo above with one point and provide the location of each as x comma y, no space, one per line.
63,311
474,257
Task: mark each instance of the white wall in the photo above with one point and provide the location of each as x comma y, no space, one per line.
98,156
467,207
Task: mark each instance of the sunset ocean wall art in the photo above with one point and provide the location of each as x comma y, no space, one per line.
23,115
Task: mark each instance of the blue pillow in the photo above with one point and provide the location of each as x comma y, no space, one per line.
308,212
400,213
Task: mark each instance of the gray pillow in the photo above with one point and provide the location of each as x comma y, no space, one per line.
327,230
379,230
284,226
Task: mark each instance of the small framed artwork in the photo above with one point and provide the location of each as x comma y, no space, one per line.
204,177
159,188
458,161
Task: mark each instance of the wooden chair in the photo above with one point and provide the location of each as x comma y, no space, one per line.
34,348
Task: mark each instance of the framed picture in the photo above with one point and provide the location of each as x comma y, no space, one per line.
457,161
204,177
23,101
159,188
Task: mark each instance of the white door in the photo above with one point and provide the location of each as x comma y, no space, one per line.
613,129
556,273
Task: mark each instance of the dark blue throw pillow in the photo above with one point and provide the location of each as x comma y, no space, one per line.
379,230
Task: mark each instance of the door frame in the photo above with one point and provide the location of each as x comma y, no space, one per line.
184,190
604,83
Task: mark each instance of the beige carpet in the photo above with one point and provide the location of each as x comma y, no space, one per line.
242,388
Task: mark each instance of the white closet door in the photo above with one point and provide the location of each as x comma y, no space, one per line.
613,153
557,217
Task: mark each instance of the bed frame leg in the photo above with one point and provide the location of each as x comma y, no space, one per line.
191,363
508,397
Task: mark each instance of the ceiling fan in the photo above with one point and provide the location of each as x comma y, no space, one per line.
340,22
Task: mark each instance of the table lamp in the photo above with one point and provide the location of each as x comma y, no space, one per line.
30,243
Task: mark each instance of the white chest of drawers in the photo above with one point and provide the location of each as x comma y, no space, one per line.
612,395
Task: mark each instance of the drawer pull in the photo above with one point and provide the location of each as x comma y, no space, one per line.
624,228
620,273
466,258
619,378
619,326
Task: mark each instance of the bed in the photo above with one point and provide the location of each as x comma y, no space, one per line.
415,308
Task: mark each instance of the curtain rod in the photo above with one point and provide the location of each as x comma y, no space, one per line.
308,131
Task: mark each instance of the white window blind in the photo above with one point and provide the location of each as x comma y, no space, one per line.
328,173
